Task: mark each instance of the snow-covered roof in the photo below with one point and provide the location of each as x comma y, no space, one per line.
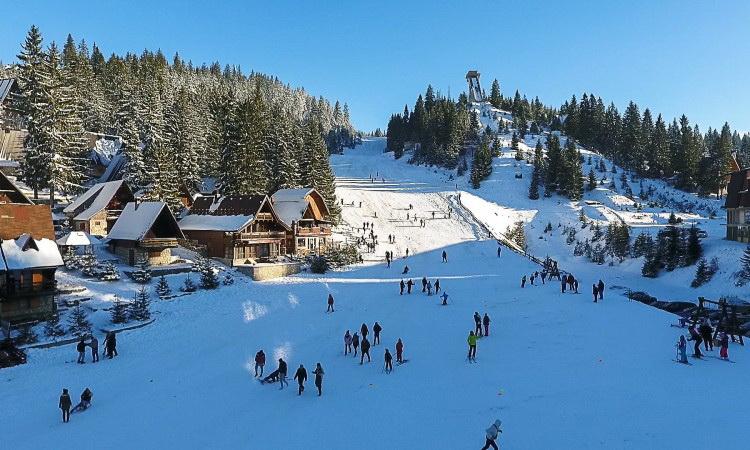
200,222
136,220
5,87
285,195
99,194
75,239
290,211
113,168
26,253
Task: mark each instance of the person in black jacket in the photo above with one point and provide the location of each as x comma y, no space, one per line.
319,379
477,324
600,289
695,336
365,351
65,404
110,344
409,284
301,377
424,284
363,331
81,348
355,343
330,303
388,361
376,329
402,286
486,323
86,397
282,373
706,332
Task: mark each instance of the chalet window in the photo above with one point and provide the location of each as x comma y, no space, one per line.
301,242
37,278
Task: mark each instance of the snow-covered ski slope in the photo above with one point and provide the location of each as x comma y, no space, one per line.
559,370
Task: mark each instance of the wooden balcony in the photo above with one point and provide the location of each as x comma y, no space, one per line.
158,243
256,235
313,231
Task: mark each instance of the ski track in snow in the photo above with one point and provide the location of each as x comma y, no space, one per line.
557,369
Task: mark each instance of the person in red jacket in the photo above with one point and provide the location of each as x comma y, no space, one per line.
399,351
260,361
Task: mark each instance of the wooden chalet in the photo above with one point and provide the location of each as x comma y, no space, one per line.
19,215
305,212
237,228
27,278
737,204
96,210
145,233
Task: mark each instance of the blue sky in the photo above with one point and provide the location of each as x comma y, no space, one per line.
676,57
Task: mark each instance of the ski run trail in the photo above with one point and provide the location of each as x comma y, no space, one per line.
560,371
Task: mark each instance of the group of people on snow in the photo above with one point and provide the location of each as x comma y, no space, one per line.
110,347
703,332
66,403
280,374
353,342
481,328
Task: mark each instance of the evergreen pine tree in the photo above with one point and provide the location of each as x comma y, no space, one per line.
119,311
78,323
52,327
209,278
481,168
743,275
693,250
592,180
162,287
140,308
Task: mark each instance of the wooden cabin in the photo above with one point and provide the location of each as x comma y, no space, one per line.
96,210
19,215
27,278
145,234
737,204
236,228
306,214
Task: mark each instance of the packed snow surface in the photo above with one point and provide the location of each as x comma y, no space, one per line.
559,370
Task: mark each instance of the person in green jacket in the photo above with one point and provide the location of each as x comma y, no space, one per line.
472,340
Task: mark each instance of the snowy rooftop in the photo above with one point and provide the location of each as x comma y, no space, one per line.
5,87
197,222
75,239
25,253
99,194
290,204
136,220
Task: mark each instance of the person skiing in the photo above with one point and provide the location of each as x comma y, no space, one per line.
409,285
682,349
477,324
492,434
706,332
282,373
363,330
405,271
65,404
94,344
355,343
601,290
472,340
81,348
445,298
330,303
429,288
695,336
445,255
376,329
260,361
365,351
399,351
347,343
523,281
319,378
301,376
424,284
486,323
86,397
402,285
110,344
595,291
437,286
724,342
388,361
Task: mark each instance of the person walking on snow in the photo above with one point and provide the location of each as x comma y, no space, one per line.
492,434
600,287
706,333
486,323
94,344
347,343
399,351
445,298
437,286
301,377
365,351
355,343
401,285
477,324
376,329
282,373
388,361
330,303
544,275
724,342
472,340
409,285
407,252
523,281
424,284
575,286
595,290
445,256
260,361
499,250
110,344
65,404
695,336
562,284
363,330
429,288
531,279
81,348
682,349
319,378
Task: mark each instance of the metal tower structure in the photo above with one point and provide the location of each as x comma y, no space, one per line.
475,90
